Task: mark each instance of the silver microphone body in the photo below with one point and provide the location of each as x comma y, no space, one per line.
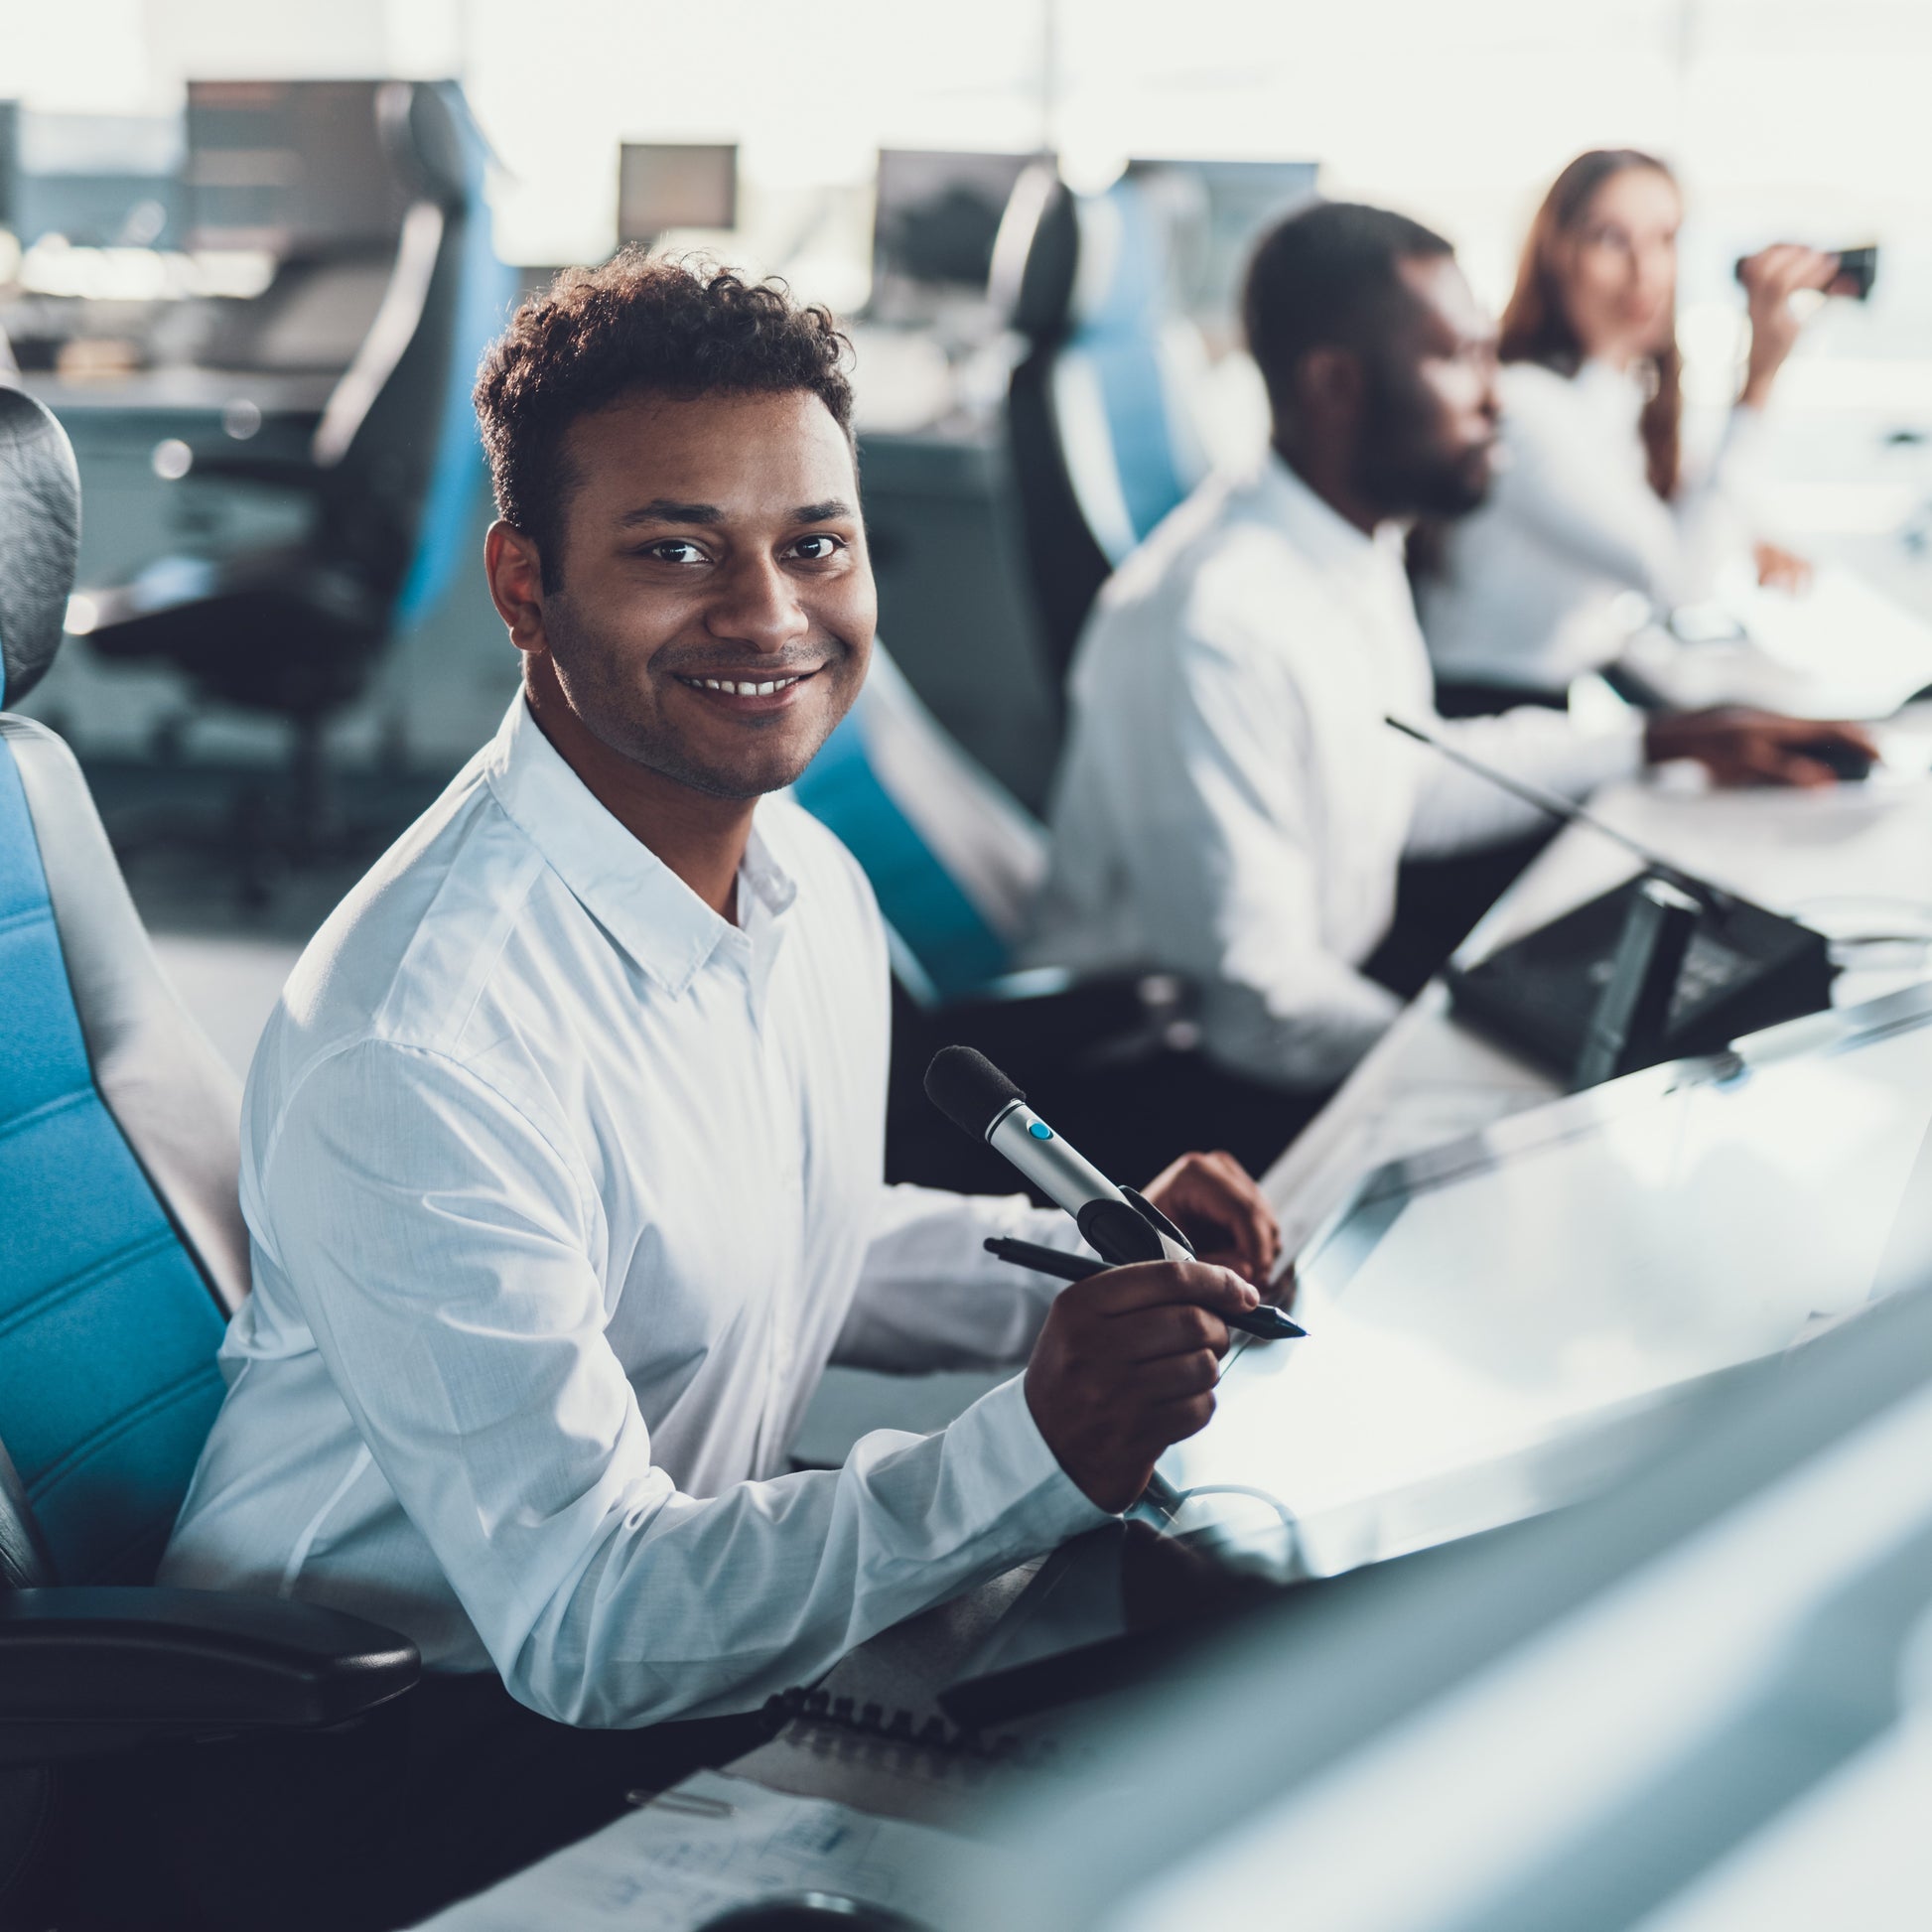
1066,1177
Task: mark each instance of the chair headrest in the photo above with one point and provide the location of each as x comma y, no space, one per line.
1037,255
40,538
432,141
1067,263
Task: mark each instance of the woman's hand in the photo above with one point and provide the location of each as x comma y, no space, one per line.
1779,569
1772,277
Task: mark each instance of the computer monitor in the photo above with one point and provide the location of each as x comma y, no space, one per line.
296,167
1217,210
98,180
664,185
936,218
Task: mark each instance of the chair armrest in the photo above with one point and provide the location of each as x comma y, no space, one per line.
88,1669
1084,1019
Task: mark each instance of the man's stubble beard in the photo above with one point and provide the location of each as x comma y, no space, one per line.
601,701
1400,476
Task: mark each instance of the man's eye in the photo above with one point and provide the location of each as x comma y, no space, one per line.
675,550
815,549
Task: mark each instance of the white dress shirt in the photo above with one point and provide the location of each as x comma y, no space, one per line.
1230,804
1531,584
563,1191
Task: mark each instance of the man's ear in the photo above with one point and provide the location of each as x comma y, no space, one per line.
1328,384
516,573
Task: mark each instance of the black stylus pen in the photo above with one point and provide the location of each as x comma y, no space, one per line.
1265,1320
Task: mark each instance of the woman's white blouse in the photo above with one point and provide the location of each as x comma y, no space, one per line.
1534,585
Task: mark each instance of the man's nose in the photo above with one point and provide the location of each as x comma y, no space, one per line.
758,605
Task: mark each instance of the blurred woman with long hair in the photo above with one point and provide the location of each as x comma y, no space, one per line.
1590,501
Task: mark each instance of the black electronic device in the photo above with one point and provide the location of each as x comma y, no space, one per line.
1845,763
1742,968
1857,269
812,1911
1552,993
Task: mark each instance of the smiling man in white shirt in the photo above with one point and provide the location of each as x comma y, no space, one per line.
562,1153
1230,804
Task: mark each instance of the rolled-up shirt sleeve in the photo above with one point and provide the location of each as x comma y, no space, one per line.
438,1238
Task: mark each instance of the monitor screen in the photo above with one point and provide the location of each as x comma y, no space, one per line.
291,166
664,185
937,216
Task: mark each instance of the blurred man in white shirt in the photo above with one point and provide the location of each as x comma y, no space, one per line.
562,1165
1231,804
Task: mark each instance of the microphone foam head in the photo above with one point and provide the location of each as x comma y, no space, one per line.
969,1089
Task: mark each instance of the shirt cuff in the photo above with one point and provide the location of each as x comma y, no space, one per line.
1606,749
1023,1489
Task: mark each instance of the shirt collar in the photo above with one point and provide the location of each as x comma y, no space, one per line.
1318,529
638,900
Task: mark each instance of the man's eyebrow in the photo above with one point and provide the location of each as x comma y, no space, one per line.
829,511
662,509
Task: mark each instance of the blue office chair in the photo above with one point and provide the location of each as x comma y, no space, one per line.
1099,411
390,478
954,862
122,1255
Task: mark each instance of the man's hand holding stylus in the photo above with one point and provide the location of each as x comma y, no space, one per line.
1126,1365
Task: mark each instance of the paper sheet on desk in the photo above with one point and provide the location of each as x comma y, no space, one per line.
715,1841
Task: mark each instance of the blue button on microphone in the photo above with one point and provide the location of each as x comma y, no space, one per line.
1040,1131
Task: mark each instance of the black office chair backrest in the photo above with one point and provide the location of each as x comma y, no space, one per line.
40,519
380,436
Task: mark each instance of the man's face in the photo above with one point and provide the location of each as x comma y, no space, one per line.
714,608
1430,406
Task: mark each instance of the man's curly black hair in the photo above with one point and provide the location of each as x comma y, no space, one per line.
638,323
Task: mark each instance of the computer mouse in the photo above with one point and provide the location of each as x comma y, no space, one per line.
1845,762
811,1911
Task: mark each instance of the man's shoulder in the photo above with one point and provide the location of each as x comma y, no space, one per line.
405,956
1217,578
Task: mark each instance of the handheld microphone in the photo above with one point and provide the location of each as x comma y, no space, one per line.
1119,1224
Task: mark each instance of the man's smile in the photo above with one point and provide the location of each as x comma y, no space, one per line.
749,690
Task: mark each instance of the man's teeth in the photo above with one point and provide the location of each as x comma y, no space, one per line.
744,687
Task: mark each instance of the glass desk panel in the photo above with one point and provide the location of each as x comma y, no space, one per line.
1470,1308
